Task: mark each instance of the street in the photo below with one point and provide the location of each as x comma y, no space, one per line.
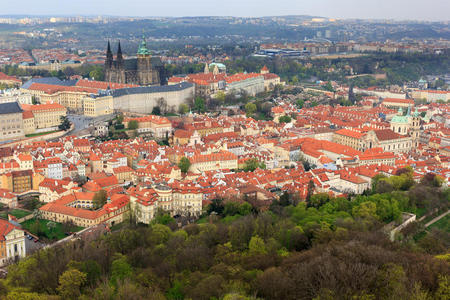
82,122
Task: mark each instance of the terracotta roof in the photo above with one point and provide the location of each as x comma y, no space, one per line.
350,133
27,114
43,107
5,77
5,228
387,134
396,100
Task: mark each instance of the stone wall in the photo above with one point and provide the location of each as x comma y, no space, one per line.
144,102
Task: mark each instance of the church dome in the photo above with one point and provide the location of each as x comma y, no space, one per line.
143,48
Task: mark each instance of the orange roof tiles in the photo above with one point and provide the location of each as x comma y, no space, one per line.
350,133
43,107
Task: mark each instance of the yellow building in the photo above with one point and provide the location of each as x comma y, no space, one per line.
98,106
70,97
46,115
17,181
214,161
76,208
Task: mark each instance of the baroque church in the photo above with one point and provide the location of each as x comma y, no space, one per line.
142,70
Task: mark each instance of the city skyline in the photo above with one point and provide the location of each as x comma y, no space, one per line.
435,10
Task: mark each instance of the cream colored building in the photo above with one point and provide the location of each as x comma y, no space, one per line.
28,122
98,106
180,200
46,116
214,161
12,242
11,121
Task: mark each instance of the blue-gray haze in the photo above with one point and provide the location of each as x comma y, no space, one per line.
431,10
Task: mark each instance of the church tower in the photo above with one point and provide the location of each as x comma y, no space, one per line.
108,63
145,72
415,127
109,56
120,66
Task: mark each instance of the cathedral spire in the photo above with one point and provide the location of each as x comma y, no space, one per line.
206,70
119,53
109,55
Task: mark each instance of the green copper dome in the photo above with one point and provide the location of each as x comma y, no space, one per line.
143,48
400,119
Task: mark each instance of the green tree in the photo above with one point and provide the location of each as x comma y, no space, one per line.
285,119
365,210
443,292
221,96
100,199
199,105
120,269
70,283
97,74
184,164
133,124
156,111
252,164
65,123
300,103
328,87
183,108
250,108
256,245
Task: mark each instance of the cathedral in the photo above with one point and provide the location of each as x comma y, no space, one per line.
142,70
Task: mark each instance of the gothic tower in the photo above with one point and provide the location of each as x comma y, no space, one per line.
108,63
120,66
145,72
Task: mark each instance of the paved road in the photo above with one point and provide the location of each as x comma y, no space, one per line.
82,122
437,219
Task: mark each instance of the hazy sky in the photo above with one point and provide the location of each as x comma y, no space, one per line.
377,9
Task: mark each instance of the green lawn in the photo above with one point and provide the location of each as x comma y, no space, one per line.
443,224
18,213
40,133
42,230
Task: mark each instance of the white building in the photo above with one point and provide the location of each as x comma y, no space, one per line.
12,242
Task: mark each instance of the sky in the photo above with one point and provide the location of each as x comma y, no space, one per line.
429,10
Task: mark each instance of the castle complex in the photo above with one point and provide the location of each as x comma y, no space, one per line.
142,70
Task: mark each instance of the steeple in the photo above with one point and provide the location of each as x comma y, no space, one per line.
215,70
206,70
142,50
119,54
109,55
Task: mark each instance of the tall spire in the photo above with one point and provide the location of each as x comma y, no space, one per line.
206,69
119,53
109,56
